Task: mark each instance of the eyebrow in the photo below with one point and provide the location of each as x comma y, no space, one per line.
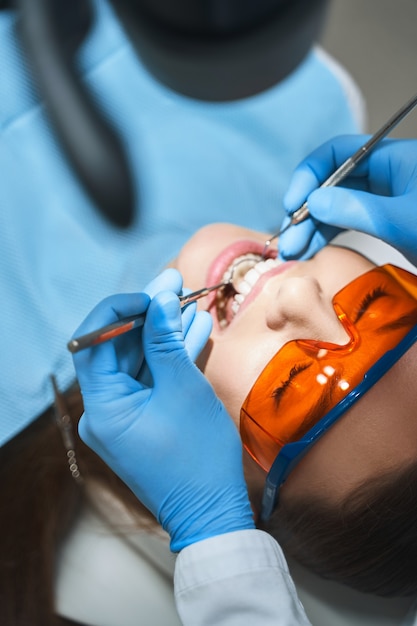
322,402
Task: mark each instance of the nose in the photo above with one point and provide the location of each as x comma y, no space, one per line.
302,310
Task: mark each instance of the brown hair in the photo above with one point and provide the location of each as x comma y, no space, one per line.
39,502
368,542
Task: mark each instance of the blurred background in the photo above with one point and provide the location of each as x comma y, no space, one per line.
376,41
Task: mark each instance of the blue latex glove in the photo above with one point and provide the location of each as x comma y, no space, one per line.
172,442
129,349
378,198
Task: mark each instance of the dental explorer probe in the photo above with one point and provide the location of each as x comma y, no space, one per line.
124,325
301,214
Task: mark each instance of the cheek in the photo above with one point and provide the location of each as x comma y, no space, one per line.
227,373
233,369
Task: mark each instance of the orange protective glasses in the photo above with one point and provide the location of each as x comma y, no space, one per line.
307,378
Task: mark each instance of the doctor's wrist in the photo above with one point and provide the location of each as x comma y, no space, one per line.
218,522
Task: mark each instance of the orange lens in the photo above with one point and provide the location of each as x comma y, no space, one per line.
307,378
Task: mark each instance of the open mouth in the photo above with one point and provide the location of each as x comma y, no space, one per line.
244,272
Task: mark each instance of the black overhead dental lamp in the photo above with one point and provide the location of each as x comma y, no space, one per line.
213,50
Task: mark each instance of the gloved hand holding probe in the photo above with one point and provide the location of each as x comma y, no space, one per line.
168,437
378,198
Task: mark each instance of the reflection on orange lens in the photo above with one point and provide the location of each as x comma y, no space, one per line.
307,378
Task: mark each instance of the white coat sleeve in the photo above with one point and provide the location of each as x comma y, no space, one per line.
236,579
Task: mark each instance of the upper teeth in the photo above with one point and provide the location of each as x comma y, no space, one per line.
243,284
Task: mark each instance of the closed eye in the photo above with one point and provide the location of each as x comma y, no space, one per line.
294,372
369,298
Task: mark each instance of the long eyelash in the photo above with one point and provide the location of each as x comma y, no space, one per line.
368,299
294,371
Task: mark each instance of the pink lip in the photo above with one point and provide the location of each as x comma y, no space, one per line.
227,256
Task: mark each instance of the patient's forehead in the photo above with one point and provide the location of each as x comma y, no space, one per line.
378,433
